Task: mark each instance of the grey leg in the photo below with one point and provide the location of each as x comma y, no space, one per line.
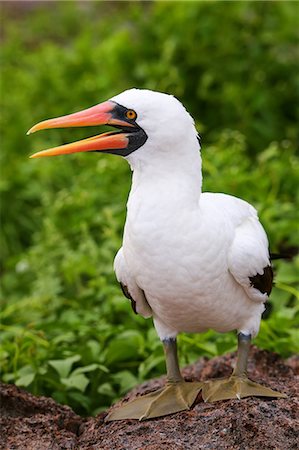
244,342
172,363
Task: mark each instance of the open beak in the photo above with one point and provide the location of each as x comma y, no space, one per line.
102,114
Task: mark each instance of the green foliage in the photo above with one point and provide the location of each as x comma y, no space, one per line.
66,329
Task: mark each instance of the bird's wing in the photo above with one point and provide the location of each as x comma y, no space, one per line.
248,258
129,287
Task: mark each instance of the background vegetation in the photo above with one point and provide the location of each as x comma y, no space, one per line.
66,329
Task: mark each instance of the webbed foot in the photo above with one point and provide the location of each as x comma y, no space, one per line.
174,397
235,387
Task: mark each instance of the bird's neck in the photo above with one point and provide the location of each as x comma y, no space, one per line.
166,182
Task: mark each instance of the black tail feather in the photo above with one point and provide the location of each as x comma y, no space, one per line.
288,256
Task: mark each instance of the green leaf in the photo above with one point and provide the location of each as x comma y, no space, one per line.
64,366
90,368
106,389
25,380
79,381
125,346
126,380
150,363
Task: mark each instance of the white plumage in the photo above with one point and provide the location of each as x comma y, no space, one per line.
187,256
191,260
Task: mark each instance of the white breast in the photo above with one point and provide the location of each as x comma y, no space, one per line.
177,246
179,258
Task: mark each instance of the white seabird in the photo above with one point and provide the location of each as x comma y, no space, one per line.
191,260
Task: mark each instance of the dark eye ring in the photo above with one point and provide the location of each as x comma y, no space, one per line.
130,114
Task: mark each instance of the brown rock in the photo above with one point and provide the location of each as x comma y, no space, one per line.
38,423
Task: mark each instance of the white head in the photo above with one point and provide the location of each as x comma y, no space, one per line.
164,119
155,127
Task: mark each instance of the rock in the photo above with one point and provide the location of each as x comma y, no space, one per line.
38,423
35,423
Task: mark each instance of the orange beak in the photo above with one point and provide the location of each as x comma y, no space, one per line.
101,114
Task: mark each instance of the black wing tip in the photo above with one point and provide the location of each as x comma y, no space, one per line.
128,295
263,282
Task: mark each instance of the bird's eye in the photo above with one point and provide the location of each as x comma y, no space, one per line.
130,114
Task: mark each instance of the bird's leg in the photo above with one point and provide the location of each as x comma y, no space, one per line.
242,355
177,395
172,362
238,384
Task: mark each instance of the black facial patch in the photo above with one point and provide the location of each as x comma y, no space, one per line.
136,135
119,113
137,139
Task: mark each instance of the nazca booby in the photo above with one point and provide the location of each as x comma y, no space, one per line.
191,260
